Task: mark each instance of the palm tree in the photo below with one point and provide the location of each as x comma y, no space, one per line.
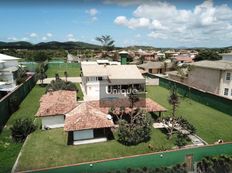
66,76
41,73
107,43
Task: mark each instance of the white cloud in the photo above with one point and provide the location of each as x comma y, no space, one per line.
133,22
70,35
49,34
24,39
92,11
123,2
12,39
157,35
33,35
44,38
138,36
163,20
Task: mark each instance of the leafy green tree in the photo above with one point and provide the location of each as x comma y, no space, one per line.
40,73
136,130
21,129
181,139
60,84
106,41
174,101
40,56
66,76
208,55
21,76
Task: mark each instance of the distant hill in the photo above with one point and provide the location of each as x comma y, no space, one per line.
49,45
136,47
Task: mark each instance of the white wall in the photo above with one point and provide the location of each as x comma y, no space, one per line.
227,57
11,63
53,121
83,134
226,84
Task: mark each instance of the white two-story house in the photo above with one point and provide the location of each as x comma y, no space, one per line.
9,66
110,81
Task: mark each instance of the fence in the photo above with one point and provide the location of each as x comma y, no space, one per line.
32,66
17,96
152,160
217,102
63,65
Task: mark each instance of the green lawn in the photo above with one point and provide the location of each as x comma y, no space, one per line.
211,124
8,149
79,93
49,148
73,71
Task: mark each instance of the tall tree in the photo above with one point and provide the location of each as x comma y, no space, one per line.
208,55
174,101
41,75
106,41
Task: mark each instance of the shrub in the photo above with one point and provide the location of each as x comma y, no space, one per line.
59,84
21,129
181,139
136,131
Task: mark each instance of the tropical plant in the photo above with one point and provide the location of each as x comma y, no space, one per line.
59,84
136,130
21,129
106,41
66,76
21,76
174,101
181,139
40,73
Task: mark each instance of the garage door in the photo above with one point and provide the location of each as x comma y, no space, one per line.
83,134
53,121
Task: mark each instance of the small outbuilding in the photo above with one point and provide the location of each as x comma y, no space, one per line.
86,124
54,106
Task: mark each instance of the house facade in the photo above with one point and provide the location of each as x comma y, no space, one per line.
211,76
8,72
110,81
155,67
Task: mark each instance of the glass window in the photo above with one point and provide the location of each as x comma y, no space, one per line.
227,76
226,90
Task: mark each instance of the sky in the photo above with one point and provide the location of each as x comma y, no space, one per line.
158,23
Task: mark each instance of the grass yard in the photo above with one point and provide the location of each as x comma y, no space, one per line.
210,123
79,93
8,149
73,71
49,148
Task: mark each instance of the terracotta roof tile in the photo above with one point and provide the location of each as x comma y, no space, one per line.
85,116
57,103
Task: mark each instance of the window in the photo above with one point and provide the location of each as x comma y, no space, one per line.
227,76
226,90
100,78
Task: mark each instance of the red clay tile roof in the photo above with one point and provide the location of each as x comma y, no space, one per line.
85,116
57,103
147,104
185,59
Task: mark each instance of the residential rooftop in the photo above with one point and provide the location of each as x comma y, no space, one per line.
4,57
157,65
85,116
220,65
57,103
112,71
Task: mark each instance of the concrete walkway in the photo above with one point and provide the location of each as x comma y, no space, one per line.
196,140
71,79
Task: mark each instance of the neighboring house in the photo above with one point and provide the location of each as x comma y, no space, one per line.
108,81
86,124
155,67
54,106
210,76
226,56
72,58
8,72
182,59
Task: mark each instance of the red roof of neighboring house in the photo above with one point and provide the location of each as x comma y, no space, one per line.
85,116
147,104
57,103
184,59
